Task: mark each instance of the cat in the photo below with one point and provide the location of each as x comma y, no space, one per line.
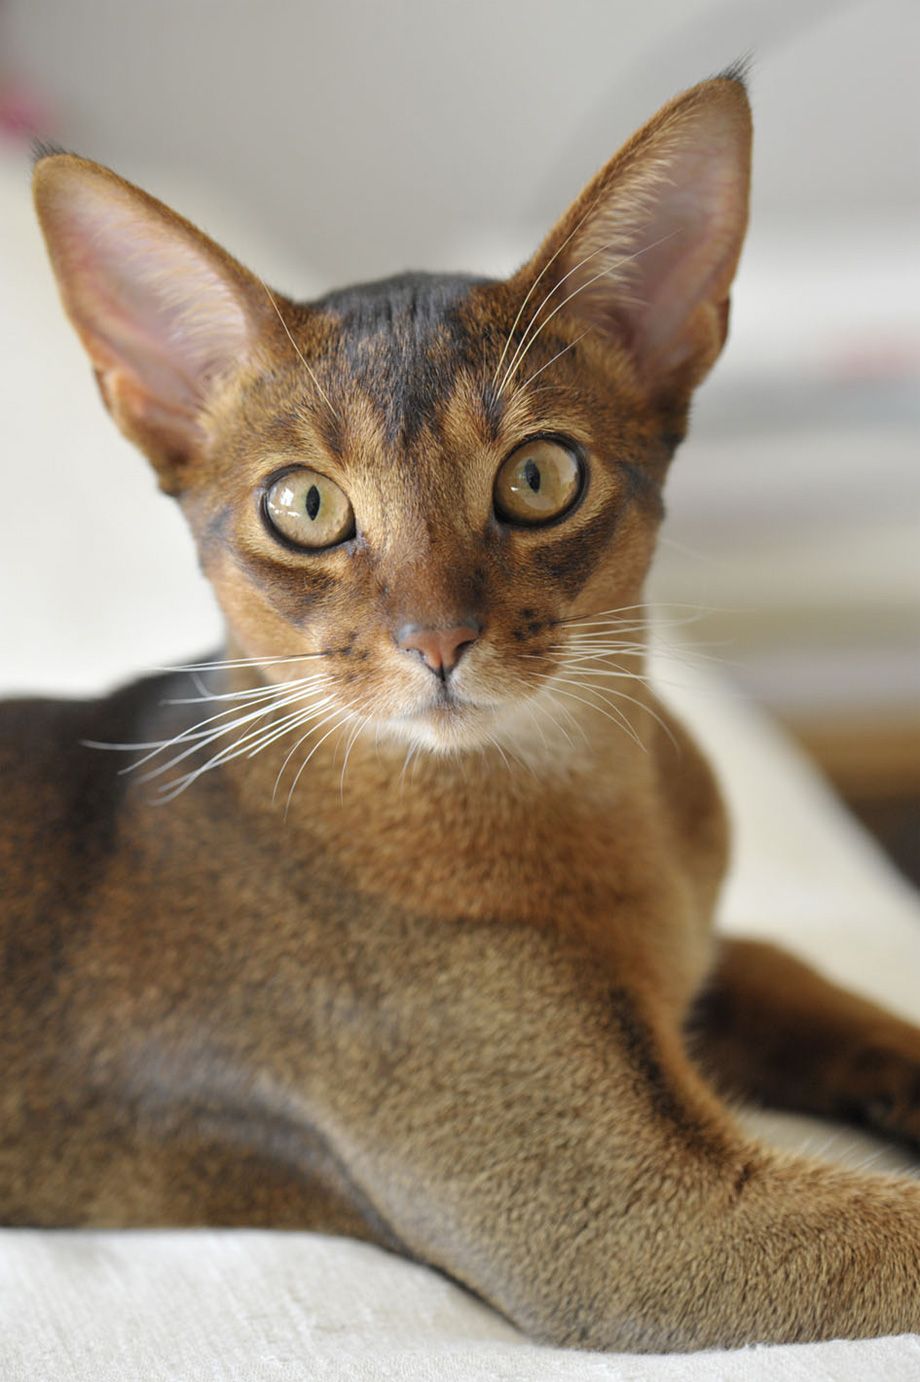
468,1007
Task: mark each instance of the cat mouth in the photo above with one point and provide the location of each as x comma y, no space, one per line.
445,703
445,710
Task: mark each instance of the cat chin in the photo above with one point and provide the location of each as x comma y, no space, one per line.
443,731
470,729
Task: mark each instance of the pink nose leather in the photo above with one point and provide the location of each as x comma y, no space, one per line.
440,649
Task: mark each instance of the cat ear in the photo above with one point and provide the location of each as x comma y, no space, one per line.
162,311
647,253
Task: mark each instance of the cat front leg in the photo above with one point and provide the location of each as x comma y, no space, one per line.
769,1028
539,1135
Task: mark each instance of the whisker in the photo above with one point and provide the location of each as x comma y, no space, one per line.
243,745
687,656
363,721
595,652
159,745
529,706
653,605
625,626
200,732
233,662
604,638
571,345
649,710
254,693
617,717
523,350
590,648
555,288
516,757
582,660
612,674
301,740
597,627
226,753
496,745
533,287
570,716
537,702
577,664
300,771
277,733
410,754
298,351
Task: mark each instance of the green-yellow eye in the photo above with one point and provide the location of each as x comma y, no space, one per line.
309,510
538,482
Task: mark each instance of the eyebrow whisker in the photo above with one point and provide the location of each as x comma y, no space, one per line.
300,354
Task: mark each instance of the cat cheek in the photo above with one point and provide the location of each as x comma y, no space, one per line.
569,563
298,599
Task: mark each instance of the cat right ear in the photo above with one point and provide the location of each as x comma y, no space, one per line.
646,256
163,312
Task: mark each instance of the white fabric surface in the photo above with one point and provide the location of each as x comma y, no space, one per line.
261,1307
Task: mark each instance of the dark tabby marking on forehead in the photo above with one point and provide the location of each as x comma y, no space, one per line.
404,340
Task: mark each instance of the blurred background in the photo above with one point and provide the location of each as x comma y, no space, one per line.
327,142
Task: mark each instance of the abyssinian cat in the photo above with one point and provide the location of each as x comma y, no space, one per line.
446,1009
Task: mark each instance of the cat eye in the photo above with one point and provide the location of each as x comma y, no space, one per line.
538,482
308,510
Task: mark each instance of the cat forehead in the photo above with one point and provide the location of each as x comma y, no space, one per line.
405,374
401,343
411,303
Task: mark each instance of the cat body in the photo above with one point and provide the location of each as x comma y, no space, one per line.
415,943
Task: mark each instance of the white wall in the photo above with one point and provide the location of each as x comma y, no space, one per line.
370,137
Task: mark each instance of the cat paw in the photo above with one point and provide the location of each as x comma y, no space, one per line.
885,1092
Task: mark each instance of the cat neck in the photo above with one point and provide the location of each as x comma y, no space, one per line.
438,830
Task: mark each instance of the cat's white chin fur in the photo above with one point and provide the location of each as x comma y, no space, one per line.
522,729
442,729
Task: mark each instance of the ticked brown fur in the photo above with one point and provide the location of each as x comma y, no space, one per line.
441,1004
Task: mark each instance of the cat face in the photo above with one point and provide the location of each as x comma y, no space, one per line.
423,490
400,495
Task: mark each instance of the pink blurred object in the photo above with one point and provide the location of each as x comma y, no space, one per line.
23,114
891,356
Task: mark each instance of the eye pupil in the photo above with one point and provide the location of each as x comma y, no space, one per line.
307,510
538,482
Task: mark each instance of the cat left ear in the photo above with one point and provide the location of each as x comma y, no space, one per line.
647,253
163,312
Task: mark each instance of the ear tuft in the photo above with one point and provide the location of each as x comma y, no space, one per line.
738,71
45,148
163,312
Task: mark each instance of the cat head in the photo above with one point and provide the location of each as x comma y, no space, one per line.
434,485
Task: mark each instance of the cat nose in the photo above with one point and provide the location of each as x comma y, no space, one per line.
439,649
